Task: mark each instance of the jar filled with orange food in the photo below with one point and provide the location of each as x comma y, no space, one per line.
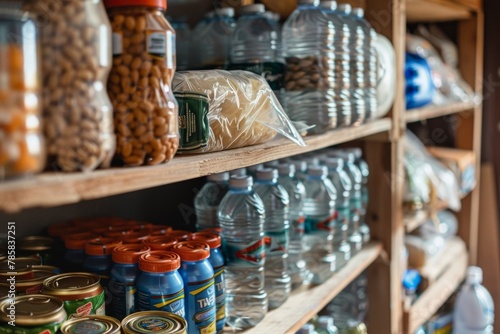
21,143
145,110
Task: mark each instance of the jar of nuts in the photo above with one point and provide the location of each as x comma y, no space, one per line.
146,112
21,144
76,59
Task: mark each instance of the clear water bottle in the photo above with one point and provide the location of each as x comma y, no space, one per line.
300,168
182,43
238,172
343,185
296,191
207,200
212,40
307,329
474,310
319,211
326,325
343,308
252,170
241,216
276,227
310,82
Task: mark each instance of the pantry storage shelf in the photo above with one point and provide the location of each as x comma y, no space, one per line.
420,217
421,114
54,189
436,11
302,305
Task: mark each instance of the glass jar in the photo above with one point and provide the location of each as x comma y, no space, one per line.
144,62
21,143
76,59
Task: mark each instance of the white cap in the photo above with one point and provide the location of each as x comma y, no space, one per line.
474,275
329,4
333,162
286,169
324,322
219,177
359,12
239,172
255,8
344,155
317,171
267,174
226,11
300,165
309,2
358,153
306,329
241,181
344,8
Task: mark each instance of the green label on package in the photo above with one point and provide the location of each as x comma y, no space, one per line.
193,121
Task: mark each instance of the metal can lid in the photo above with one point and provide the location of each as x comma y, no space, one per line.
71,285
95,324
21,264
160,242
35,243
34,310
158,322
192,250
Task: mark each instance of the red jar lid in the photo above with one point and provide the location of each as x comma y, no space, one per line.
129,254
159,262
180,235
160,229
160,242
135,238
101,246
125,3
192,250
78,240
212,239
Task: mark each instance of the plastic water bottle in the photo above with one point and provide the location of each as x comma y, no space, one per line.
307,329
297,192
207,200
252,170
182,44
474,310
276,227
212,40
326,325
310,82
300,169
241,216
256,46
238,172
343,185
319,210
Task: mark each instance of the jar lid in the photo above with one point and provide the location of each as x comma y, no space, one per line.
119,234
129,254
160,229
161,242
99,324
212,239
159,261
192,250
135,238
159,322
21,263
34,310
180,235
78,240
72,286
101,246
126,3
35,243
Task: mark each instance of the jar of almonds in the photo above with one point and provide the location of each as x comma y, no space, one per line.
76,59
21,144
145,110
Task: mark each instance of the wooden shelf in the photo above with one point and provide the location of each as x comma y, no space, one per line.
421,114
420,217
436,11
54,189
302,305
454,266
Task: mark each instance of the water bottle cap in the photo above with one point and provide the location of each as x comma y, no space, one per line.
255,168
192,250
329,5
180,235
219,177
272,16
344,8
344,155
239,172
159,229
255,8
474,275
226,11
358,153
300,165
359,12
317,171
135,238
241,181
334,162
159,261
101,246
129,254
267,174
272,164
306,329
212,239
286,169
78,240
325,321
309,2
161,242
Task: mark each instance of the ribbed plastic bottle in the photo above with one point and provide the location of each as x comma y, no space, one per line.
343,308
343,185
212,40
310,60
252,170
326,325
241,216
256,46
296,192
276,227
300,168
207,200
474,310
319,211
182,44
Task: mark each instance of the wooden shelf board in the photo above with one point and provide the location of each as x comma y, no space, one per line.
54,189
421,114
302,305
438,292
436,11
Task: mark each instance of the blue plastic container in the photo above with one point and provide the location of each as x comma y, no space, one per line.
419,85
99,259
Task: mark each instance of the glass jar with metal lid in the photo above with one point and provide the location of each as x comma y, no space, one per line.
32,314
22,150
94,324
36,246
158,322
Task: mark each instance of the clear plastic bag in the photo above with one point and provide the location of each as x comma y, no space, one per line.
221,110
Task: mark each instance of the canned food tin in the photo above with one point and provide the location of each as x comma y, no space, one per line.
82,293
26,286
21,266
158,322
36,246
93,324
34,314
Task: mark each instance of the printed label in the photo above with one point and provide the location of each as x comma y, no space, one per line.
117,40
88,306
200,305
220,293
318,224
156,43
277,242
194,127
153,324
273,72
173,303
123,296
249,255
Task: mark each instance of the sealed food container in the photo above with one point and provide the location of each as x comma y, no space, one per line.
76,59
74,256
30,285
160,242
21,145
145,110
157,322
33,314
180,235
36,246
92,324
82,293
98,260
21,269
